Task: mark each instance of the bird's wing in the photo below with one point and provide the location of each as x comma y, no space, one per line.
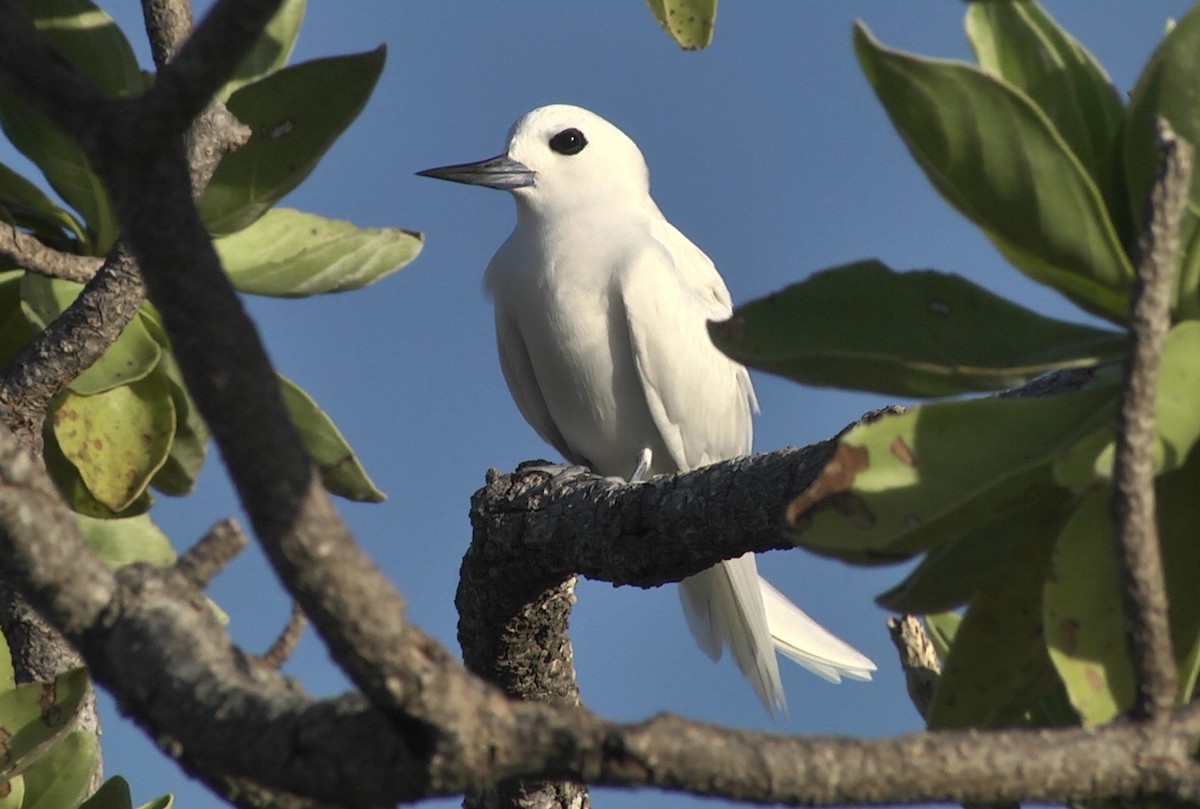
700,400
523,384
725,605
810,644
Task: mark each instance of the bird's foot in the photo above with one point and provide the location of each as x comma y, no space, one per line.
642,470
556,472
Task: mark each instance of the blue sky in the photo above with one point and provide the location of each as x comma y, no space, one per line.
768,150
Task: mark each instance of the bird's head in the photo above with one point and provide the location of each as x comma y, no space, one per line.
558,156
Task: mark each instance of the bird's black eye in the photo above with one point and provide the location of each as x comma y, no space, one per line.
568,142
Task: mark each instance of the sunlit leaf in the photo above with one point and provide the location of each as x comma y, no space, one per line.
62,776
902,484
289,253
8,678
73,489
33,716
943,626
12,792
341,471
124,541
689,22
118,439
1082,611
1022,44
1177,419
998,159
273,48
922,333
296,114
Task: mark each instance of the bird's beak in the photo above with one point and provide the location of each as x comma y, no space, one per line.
497,172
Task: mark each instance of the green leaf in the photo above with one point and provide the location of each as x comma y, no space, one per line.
1177,420
273,48
12,793
121,542
118,439
33,716
1082,610
1168,87
998,668
952,573
689,22
1083,617
289,253
112,794
133,356
296,114
903,484
922,333
340,469
64,166
8,678
993,155
1021,44
943,626
62,777
27,207
161,802
189,447
89,39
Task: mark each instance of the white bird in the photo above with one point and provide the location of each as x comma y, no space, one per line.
601,306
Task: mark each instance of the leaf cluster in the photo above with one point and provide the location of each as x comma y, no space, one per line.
1005,500
127,426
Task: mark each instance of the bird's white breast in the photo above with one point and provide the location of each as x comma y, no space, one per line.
558,288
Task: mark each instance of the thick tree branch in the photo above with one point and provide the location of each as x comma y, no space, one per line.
1133,501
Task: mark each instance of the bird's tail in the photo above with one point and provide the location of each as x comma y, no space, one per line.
731,604
810,644
724,605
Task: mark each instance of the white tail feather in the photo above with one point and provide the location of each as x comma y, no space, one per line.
730,604
724,605
810,644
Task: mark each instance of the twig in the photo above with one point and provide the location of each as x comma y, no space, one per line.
29,253
918,658
69,345
286,643
1143,589
212,553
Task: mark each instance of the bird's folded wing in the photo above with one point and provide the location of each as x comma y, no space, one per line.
700,400
523,384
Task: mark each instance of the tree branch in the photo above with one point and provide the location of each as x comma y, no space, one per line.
27,252
918,659
1133,500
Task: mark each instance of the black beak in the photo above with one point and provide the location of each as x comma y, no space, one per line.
497,172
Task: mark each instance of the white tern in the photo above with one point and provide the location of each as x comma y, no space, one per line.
601,307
